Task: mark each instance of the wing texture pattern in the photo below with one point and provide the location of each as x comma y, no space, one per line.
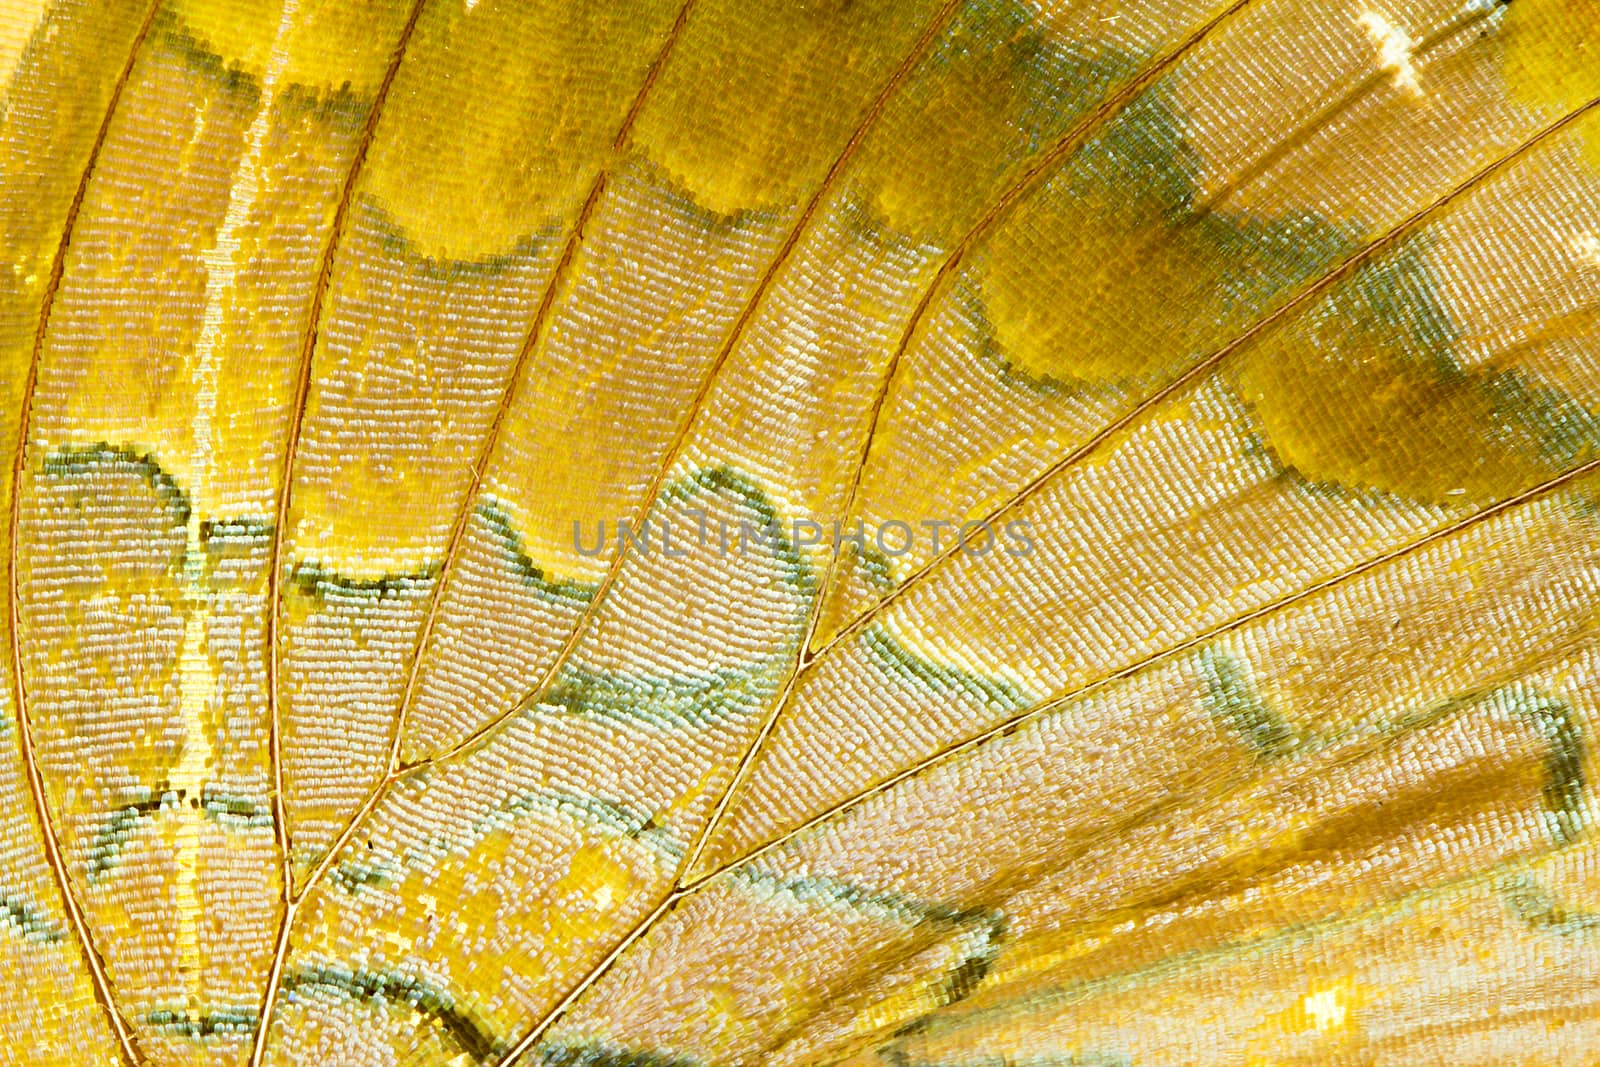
907,532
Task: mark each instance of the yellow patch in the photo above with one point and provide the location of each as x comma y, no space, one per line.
793,79
499,115
1552,57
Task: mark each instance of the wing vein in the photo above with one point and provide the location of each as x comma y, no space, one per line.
639,929
536,333
1073,138
275,554
1276,937
1067,143
1336,272
396,771
1254,170
703,391
458,529
1045,707
1339,271
1312,290
36,790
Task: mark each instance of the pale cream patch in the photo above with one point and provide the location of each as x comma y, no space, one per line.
198,680
1586,249
1395,48
1325,1008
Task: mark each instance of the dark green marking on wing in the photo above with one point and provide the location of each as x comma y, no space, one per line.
748,494
900,662
1564,432
224,1022
119,824
1564,776
78,463
341,109
224,808
231,78
1537,906
233,810
20,915
511,544
874,565
392,238
706,693
691,701
310,579
963,978
1143,159
598,1055
237,534
1231,697
434,1004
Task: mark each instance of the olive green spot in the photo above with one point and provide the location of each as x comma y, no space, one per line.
352,876
690,700
235,535
231,809
1231,697
1548,59
436,1005
226,1022
900,662
80,464
532,575
23,917
596,1055
311,580
1556,725
1564,776
1535,905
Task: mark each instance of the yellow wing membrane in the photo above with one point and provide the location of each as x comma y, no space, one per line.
911,532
